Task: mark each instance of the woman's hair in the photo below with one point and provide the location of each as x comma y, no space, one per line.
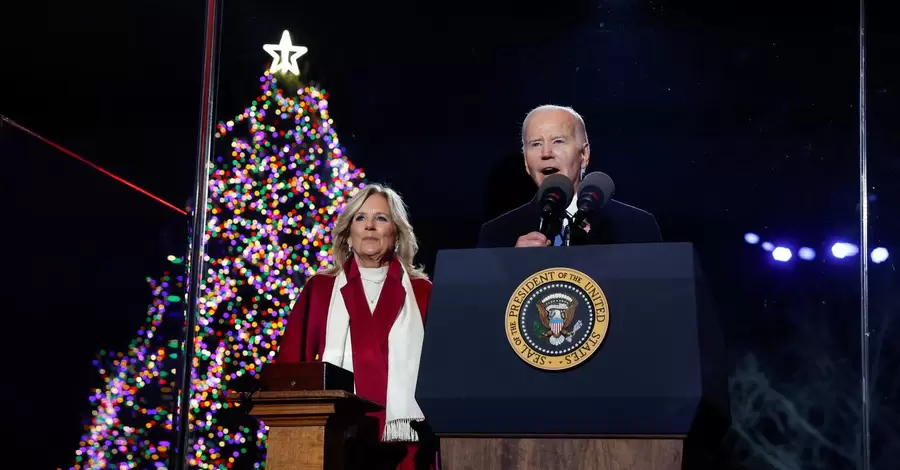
406,245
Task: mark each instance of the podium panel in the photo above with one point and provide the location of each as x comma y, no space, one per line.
544,454
645,378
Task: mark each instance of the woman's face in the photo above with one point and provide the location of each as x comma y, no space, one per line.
372,232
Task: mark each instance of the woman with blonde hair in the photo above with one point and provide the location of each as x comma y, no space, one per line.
366,314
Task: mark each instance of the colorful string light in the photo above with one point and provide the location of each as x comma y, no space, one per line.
273,201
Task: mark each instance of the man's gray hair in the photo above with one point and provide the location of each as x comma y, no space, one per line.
545,107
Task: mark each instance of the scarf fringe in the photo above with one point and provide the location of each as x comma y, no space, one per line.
399,430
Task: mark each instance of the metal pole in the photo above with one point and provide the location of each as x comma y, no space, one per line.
864,244
195,270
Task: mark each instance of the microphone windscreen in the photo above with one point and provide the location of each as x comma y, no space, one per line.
557,182
601,183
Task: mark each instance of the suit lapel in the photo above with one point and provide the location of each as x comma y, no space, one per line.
596,230
527,219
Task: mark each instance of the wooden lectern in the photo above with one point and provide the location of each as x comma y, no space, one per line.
311,415
581,452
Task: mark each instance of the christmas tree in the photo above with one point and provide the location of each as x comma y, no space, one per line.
133,412
277,183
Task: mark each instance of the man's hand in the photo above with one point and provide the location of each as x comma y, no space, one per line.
532,239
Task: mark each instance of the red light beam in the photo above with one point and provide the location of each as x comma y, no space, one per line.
92,165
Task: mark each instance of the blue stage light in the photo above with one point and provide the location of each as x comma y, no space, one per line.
880,255
782,254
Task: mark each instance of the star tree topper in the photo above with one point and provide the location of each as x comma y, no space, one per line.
285,55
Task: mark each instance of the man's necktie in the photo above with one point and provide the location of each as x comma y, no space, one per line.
558,241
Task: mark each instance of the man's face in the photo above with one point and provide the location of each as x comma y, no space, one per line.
554,143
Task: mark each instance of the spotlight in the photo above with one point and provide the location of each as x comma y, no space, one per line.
782,254
843,250
879,255
806,253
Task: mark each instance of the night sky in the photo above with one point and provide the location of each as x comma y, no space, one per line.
720,118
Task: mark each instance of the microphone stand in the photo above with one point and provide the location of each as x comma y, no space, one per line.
568,235
548,223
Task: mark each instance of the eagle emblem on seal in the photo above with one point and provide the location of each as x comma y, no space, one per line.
557,311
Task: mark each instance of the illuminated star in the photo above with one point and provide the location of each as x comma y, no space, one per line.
285,55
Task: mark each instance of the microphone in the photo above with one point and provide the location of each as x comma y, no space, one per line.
594,192
554,195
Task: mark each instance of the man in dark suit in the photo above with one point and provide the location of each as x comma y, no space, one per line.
554,140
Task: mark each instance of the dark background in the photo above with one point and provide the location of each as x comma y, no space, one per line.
718,117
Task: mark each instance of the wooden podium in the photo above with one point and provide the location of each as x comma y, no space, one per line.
310,414
473,453
620,390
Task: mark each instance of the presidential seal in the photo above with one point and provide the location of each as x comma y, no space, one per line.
557,319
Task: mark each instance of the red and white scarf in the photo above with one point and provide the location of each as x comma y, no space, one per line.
404,351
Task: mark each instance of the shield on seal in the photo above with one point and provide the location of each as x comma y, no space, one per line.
556,324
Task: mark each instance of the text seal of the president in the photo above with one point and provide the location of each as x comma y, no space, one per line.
557,319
